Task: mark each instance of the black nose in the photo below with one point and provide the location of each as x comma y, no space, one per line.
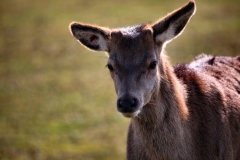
128,104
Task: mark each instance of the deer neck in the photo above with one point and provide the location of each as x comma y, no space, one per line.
161,125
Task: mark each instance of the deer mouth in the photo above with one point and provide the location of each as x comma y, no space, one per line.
132,114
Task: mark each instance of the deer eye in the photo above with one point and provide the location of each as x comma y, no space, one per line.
152,65
110,67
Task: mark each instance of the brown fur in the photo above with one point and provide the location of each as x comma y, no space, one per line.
189,112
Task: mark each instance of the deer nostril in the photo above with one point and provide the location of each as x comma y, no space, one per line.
127,105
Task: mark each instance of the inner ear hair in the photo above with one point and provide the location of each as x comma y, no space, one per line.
91,36
173,24
76,26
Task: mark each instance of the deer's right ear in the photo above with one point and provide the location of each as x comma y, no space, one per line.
93,37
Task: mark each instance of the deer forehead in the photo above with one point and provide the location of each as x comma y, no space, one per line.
132,45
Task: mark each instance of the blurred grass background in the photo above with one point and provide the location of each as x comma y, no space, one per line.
57,100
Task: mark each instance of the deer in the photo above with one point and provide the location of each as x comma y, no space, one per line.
182,112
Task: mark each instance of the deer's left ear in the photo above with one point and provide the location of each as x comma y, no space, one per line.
93,37
173,24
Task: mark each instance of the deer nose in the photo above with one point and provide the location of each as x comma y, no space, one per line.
127,105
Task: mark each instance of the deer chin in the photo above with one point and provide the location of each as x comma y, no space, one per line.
132,114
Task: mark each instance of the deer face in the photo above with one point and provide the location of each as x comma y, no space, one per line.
133,66
134,55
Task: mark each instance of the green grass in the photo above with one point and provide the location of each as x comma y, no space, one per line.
57,100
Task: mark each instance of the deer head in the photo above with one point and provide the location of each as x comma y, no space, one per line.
134,55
